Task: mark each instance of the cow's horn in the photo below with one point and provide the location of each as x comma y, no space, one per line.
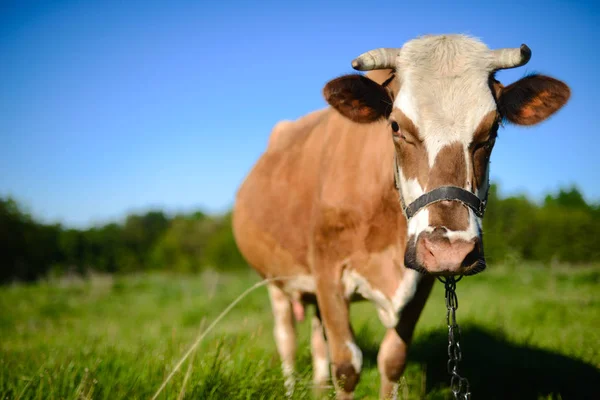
376,59
511,58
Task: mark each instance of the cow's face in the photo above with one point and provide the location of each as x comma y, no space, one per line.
444,108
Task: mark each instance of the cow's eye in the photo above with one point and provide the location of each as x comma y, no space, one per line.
400,135
489,144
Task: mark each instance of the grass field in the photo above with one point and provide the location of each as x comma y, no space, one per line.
528,332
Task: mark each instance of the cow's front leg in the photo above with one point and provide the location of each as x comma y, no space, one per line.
346,357
391,359
320,356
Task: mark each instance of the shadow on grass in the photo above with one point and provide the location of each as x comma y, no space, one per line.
499,369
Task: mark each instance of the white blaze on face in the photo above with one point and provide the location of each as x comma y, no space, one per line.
445,92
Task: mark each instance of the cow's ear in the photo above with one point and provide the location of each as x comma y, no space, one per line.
358,98
532,99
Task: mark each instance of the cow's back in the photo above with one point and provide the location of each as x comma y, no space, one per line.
274,203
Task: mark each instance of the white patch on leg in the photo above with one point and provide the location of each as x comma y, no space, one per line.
320,370
356,355
290,382
388,309
284,334
406,289
281,335
320,356
300,283
387,316
394,393
353,282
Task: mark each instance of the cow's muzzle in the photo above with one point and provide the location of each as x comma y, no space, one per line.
437,254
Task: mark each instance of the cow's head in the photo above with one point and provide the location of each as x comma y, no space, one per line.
443,106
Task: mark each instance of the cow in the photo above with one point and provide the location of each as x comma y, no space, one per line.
379,193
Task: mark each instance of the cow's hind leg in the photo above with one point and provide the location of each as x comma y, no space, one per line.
320,357
285,334
391,359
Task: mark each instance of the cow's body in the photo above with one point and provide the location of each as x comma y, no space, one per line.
321,178
325,187
320,210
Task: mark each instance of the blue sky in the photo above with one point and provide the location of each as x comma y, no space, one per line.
108,107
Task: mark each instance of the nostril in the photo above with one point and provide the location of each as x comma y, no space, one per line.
429,246
435,245
431,254
472,253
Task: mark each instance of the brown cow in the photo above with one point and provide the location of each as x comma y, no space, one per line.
320,208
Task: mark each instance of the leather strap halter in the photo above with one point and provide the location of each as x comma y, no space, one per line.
443,193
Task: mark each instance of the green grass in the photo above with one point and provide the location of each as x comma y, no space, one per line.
528,332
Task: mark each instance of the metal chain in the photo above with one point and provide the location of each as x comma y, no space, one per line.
458,384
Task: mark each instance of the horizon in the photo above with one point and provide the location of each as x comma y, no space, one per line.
111,109
187,211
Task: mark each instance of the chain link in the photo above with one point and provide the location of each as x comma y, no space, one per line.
458,384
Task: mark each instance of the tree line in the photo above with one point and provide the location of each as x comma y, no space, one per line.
562,228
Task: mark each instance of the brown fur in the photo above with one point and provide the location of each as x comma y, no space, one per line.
359,98
347,376
495,87
385,216
532,99
412,154
449,169
406,125
486,130
481,148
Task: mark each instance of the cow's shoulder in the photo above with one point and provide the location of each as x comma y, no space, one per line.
357,206
286,133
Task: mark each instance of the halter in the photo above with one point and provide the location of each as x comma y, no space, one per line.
442,193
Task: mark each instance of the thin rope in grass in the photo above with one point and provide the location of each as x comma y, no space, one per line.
188,373
31,380
212,325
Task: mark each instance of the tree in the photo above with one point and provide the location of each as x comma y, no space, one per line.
181,247
221,250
